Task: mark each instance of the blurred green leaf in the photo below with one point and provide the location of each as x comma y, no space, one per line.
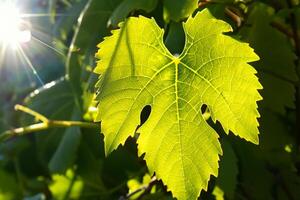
68,186
175,38
228,172
52,10
255,180
9,188
91,28
127,6
178,10
276,66
218,193
67,20
56,146
66,152
2,121
90,165
36,197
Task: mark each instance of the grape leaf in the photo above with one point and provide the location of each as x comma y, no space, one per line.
138,70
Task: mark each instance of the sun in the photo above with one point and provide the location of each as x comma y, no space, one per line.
13,31
16,30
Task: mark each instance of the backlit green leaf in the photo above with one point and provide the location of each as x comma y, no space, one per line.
177,143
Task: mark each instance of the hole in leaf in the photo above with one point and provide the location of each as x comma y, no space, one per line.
145,114
205,112
204,109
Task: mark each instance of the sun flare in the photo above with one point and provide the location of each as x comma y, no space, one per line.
16,29
12,29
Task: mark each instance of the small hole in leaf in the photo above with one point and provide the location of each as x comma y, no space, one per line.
205,112
204,109
145,114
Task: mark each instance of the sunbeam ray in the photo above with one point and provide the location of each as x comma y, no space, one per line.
38,33
27,60
19,58
47,45
28,15
2,54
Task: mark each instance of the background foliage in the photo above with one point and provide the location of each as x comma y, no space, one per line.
70,163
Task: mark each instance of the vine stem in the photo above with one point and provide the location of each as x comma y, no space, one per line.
31,112
230,11
283,29
43,125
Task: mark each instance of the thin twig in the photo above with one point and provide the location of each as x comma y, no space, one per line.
44,125
233,14
205,2
283,29
31,112
152,183
230,11
145,188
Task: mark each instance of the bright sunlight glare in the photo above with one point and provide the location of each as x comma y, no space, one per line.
11,32
15,30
